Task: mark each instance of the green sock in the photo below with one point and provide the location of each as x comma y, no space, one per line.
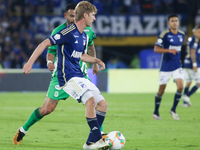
101,128
35,116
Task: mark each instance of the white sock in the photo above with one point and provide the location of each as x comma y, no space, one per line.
22,130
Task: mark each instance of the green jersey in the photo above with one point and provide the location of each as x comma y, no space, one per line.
53,49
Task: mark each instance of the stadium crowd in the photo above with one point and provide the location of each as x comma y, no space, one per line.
19,37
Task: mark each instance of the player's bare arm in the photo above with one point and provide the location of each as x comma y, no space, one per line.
89,59
92,52
38,51
50,61
193,58
158,49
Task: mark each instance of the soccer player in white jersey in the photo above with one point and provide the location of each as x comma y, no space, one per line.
72,43
169,43
192,66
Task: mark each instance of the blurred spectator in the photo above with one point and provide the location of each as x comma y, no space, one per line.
121,64
180,6
168,6
114,63
158,6
58,6
147,6
135,62
125,6
0,57
19,34
197,18
135,8
111,63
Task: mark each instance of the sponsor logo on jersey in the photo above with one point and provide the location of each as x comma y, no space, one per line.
86,30
57,36
76,36
181,39
178,48
76,54
171,40
76,42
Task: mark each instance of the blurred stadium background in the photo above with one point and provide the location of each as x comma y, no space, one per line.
126,33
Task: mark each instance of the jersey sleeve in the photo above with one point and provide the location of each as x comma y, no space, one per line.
159,42
87,40
192,44
60,38
53,49
92,37
161,39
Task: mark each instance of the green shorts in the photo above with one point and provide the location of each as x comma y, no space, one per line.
55,92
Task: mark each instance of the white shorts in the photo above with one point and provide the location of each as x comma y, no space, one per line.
82,89
165,76
190,75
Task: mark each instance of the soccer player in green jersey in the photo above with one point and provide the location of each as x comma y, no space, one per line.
55,93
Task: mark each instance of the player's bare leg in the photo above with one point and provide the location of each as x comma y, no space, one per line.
48,107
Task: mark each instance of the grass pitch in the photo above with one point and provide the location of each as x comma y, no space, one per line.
66,127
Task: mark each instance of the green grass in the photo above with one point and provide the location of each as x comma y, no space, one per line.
66,127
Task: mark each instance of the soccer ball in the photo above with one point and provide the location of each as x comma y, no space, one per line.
116,140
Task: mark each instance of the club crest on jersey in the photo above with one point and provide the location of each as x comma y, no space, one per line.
180,38
76,54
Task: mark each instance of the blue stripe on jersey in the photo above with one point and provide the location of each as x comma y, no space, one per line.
192,43
71,45
168,40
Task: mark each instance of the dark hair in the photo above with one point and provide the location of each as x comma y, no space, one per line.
70,6
171,16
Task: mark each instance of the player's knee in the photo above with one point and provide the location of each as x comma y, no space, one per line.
180,88
90,102
198,84
103,104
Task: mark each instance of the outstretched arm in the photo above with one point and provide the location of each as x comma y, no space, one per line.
89,59
38,51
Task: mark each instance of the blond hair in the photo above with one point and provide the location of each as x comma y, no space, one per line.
84,7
